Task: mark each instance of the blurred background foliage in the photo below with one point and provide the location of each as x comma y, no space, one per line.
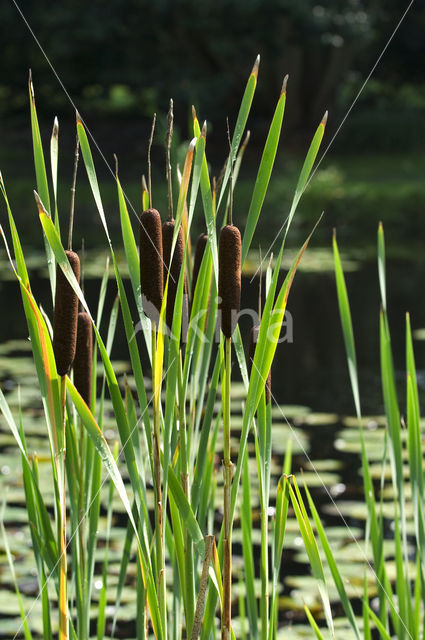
121,61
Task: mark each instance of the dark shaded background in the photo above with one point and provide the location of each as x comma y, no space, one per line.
128,58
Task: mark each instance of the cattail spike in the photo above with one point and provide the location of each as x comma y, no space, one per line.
83,357
65,317
229,277
151,263
201,244
174,268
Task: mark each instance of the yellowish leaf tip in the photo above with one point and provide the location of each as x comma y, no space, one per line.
78,118
194,116
324,119
116,165
380,226
204,130
40,205
245,142
407,315
144,185
254,71
284,83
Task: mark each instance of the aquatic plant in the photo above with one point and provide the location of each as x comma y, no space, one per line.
165,418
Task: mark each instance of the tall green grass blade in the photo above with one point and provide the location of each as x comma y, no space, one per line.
381,266
41,176
207,201
240,125
333,567
306,168
54,148
264,172
313,623
91,173
312,550
247,549
347,326
101,620
383,632
25,626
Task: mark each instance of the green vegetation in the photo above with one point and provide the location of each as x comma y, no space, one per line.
170,421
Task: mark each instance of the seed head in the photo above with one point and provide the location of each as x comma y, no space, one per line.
229,277
83,357
151,270
65,317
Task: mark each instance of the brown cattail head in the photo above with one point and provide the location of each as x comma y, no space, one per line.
229,277
65,317
174,268
151,269
83,357
253,339
201,244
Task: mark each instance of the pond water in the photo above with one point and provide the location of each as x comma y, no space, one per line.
310,383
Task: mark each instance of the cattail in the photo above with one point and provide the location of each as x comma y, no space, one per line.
65,317
174,269
201,244
253,339
229,277
83,357
151,271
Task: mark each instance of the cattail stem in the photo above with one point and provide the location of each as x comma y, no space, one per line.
227,472
60,461
170,119
74,182
159,541
184,474
149,160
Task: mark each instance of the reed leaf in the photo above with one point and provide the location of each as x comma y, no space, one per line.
240,125
264,172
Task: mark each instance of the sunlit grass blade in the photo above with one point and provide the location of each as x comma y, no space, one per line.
383,632
91,173
264,172
282,504
132,256
41,177
381,266
107,458
333,566
241,121
207,201
247,550
313,623
25,626
54,148
306,168
101,620
311,549
347,326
